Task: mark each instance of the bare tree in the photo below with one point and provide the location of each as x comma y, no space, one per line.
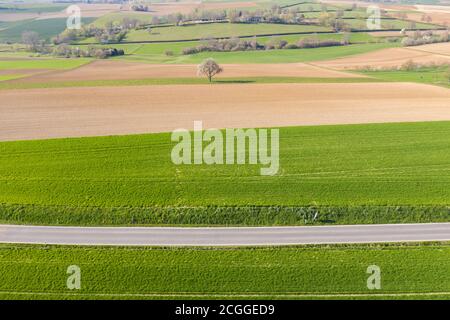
31,39
209,68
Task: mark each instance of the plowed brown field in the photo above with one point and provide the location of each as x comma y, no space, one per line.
438,53
70,112
108,69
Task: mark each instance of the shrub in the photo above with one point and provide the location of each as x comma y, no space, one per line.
64,50
409,66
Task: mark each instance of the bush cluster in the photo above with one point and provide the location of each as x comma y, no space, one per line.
64,50
139,7
419,38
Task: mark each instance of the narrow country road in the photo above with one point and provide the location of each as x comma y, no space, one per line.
242,236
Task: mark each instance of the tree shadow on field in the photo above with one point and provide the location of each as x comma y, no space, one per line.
234,81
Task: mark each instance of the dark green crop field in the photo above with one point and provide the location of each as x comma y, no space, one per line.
353,173
46,28
323,272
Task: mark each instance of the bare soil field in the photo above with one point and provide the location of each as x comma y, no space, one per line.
162,9
91,10
440,18
432,8
438,48
367,4
392,57
226,5
114,70
72,112
87,11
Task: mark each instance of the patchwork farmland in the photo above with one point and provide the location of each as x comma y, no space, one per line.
86,126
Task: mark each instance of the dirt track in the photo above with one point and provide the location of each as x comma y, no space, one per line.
438,53
69,112
108,69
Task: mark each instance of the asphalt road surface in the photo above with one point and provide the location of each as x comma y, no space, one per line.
158,236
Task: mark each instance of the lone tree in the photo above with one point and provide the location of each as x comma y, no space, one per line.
209,68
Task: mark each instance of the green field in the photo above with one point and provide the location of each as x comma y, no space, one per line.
155,52
117,17
217,30
437,76
31,7
328,272
171,81
259,56
42,63
48,28
177,47
6,77
351,173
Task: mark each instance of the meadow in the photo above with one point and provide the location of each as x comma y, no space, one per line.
42,63
170,81
145,54
177,47
320,272
46,28
349,173
431,75
31,7
218,30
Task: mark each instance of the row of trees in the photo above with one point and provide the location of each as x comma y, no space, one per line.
111,32
64,50
35,44
334,21
275,14
419,38
236,44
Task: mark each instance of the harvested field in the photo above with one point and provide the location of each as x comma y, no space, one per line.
70,112
162,9
88,11
114,70
438,48
226,5
441,18
10,17
432,8
392,57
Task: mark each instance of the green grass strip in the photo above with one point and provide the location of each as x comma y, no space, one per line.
220,216
322,272
437,76
180,81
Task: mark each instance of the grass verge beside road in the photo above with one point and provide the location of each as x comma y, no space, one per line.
323,272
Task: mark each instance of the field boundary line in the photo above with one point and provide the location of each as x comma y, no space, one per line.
225,295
